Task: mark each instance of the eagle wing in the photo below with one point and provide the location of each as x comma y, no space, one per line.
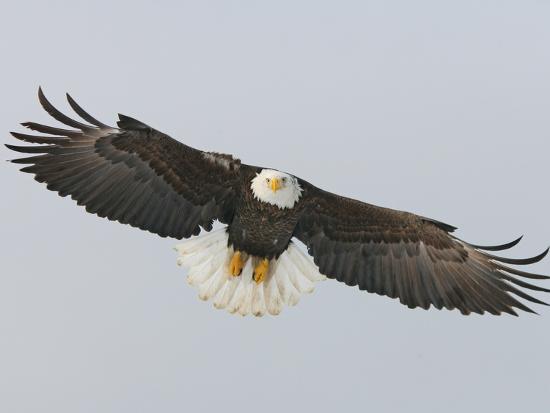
133,174
406,256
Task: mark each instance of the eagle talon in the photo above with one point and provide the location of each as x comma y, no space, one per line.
260,272
236,265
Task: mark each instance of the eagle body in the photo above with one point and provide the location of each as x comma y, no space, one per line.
139,176
258,228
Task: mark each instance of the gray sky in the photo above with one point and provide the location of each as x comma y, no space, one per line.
439,108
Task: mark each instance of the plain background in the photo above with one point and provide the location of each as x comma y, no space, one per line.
440,108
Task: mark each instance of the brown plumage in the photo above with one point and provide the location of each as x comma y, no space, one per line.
409,257
137,175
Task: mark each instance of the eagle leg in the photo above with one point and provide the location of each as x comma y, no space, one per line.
260,271
236,265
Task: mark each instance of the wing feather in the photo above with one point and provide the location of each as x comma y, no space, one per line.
85,115
413,258
132,174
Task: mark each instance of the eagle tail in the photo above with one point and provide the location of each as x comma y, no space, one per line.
207,258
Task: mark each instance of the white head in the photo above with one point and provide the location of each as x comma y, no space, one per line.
276,188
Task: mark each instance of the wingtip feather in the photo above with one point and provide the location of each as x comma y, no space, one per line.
83,114
498,247
520,261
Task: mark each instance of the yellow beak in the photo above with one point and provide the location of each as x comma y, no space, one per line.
275,184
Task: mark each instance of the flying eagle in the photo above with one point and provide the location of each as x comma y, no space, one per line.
139,176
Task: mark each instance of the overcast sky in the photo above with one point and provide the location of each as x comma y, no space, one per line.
435,107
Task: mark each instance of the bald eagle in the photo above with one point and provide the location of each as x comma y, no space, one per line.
139,176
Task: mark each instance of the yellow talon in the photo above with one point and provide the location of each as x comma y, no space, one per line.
236,265
260,272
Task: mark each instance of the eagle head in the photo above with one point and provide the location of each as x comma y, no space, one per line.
276,188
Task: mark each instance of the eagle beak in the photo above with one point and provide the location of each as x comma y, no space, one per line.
275,184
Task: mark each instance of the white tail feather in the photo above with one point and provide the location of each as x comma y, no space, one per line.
207,259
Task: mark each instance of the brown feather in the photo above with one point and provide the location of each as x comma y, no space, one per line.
134,174
409,257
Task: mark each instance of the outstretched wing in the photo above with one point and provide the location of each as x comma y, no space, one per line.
132,174
403,255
